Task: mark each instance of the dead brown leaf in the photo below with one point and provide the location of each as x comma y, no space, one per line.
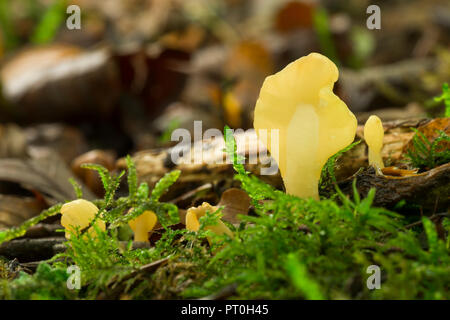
49,176
235,201
90,177
294,15
396,172
67,141
15,210
431,131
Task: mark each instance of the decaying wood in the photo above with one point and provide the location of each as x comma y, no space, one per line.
187,199
43,230
117,286
411,112
31,249
430,190
27,250
435,218
223,294
61,247
156,234
360,88
397,134
151,165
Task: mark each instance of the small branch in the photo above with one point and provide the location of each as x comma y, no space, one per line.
434,217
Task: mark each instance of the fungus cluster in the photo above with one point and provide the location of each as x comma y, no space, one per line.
312,122
79,214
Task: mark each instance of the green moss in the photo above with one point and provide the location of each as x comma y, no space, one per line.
425,154
290,248
47,283
445,97
22,229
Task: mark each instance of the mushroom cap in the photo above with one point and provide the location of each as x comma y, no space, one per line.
79,213
146,221
194,214
192,223
374,133
313,122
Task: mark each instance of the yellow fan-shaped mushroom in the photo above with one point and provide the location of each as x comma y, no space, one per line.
313,123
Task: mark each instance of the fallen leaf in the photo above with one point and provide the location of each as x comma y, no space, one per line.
49,176
187,40
42,139
249,58
397,172
12,141
15,210
294,15
431,131
235,201
91,177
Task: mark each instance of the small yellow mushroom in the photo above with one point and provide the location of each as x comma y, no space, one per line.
373,134
142,225
312,122
194,214
79,214
233,109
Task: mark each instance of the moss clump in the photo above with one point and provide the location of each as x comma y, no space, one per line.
427,154
47,283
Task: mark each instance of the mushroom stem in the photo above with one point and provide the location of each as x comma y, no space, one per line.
375,159
141,234
302,175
